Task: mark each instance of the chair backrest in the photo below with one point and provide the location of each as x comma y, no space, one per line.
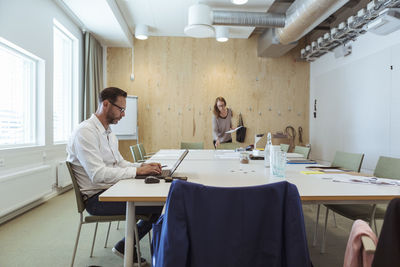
192,145
284,147
236,218
79,200
228,146
302,150
142,151
388,168
135,153
348,161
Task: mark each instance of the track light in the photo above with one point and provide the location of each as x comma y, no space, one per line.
222,34
141,31
239,2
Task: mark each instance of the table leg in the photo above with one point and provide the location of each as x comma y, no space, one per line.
129,233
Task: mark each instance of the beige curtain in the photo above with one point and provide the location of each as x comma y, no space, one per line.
93,75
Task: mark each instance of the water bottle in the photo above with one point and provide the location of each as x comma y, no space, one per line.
267,151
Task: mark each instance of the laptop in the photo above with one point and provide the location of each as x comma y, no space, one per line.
168,172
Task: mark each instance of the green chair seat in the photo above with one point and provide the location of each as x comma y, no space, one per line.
357,211
305,151
192,145
285,147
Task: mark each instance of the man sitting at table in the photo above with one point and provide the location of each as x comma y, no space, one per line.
97,163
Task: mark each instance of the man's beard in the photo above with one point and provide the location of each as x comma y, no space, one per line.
111,119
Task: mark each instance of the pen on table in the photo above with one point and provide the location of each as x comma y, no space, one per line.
163,166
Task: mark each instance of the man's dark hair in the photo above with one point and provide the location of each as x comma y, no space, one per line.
111,94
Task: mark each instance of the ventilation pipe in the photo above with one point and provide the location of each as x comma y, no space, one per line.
301,17
250,19
201,19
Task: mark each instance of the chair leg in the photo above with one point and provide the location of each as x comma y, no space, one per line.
137,245
118,225
316,226
150,237
76,243
324,234
334,219
94,239
372,219
108,233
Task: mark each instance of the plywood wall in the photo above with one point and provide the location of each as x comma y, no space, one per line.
178,79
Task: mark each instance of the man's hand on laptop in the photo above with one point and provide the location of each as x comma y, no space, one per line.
149,169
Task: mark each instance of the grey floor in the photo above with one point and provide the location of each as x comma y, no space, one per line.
45,237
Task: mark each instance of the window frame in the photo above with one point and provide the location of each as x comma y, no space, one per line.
35,101
74,94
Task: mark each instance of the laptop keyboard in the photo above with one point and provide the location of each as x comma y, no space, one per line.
165,173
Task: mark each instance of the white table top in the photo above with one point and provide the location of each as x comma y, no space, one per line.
208,168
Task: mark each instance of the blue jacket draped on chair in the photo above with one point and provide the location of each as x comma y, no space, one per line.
240,226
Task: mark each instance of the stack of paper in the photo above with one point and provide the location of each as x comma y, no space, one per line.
346,178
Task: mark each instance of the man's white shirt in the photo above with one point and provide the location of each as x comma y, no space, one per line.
96,161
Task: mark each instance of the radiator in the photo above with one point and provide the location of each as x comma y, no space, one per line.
63,178
20,188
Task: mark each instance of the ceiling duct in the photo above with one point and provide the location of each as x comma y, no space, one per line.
252,19
201,19
301,17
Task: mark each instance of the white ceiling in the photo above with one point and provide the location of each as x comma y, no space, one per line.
113,21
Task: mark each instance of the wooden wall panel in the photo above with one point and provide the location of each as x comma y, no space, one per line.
178,79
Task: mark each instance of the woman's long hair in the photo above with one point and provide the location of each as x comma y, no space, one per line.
216,110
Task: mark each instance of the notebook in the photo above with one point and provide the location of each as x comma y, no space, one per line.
167,172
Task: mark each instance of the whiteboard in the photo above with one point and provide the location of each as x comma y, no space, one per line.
126,128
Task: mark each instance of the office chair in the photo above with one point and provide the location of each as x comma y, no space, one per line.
385,168
305,151
91,218
137,157
143,153
344,160
192,145
285,147
236,226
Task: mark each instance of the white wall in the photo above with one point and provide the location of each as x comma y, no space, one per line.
29,25
358,101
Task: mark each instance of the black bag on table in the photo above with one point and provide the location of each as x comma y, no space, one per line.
241,133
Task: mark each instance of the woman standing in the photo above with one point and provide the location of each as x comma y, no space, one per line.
222,122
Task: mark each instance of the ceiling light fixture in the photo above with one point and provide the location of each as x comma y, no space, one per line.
141,32
239,2
199,22
222,34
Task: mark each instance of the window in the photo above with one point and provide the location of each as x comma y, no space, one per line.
18,87
64,83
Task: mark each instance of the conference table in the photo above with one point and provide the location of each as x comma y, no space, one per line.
222,168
